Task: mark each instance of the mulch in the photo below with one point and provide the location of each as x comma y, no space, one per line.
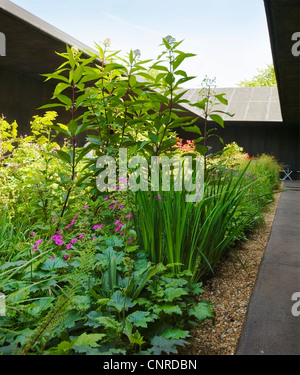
230,291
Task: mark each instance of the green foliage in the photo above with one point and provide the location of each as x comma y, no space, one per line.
209,100
90,272
194,236
265,78
145,311
8,135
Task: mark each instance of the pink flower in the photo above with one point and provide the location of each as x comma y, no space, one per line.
36,251
75,217
86,207
106,198
59,231
73,240
66,256
57,238
112,207
68,226
128,216
159,197
72,222
121,207
122,179
81,236
119,227
59,242
37,243
94,238
51,257
117,222
129,239
54,219
117,187
95,227
121,233
69,246
32,234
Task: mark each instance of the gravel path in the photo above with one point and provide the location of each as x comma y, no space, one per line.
230,290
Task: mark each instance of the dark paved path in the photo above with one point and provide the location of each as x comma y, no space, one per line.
270,327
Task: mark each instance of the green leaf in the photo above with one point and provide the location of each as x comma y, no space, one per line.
202,311
56,76
134,338
108,323
95,140
218,119
201,149
53,105
175,333
78,74
64,99
141,318
196,288
168,309
90,339
63,156
193,129
82,302
160,67
144,278
163,345
51,264
60,87
71,57
201,104
72,126
177,61
173,293
153,137
120,302
23,336
38,306
221,99
147,76
83,153
170,79
61,349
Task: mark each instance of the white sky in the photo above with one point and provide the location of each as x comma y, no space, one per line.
230,37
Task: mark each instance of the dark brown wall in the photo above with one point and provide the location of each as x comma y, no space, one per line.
21,96
273,138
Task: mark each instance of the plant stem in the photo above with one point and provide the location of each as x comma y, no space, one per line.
73,155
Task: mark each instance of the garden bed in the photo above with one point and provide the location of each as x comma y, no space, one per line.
230,290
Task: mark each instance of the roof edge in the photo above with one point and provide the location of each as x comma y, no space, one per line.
29,18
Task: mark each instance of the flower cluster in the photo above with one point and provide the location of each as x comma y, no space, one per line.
62,237
189,146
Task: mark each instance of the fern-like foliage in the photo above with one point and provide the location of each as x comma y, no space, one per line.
41,335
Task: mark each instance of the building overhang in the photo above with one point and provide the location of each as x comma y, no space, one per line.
31,43
283,18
